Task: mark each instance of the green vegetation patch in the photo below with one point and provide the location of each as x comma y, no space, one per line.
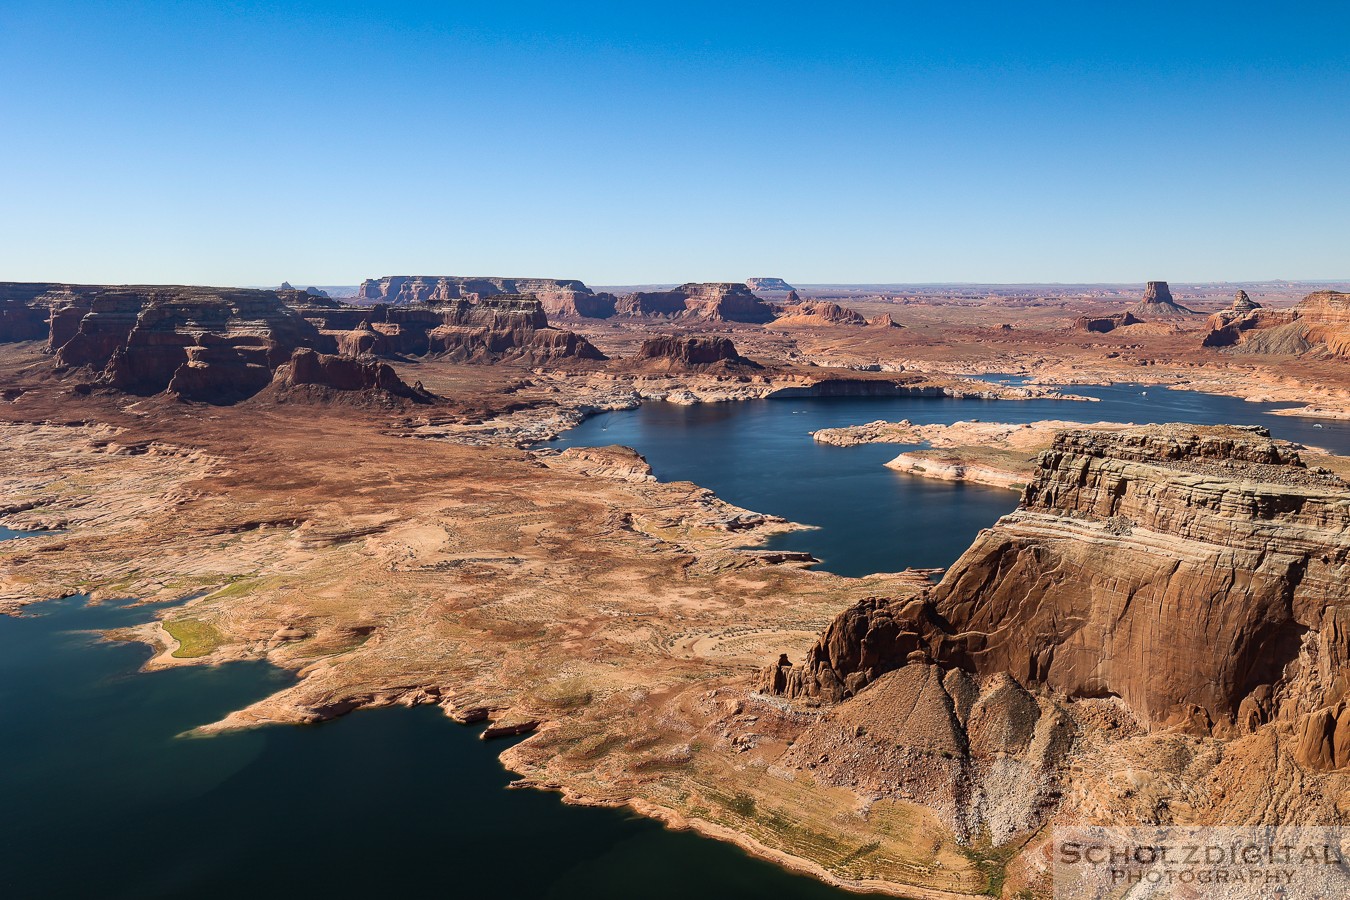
195,638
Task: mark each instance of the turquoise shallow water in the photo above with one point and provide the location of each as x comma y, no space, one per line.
102,799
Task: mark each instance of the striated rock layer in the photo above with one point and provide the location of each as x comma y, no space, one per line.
692,353
1159,634
715,301
222,345
1197,574
213,344
1319,323
559,296
796,311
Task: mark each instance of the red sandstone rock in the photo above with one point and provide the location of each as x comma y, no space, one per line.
1198,574
343,374
693,352
718,302
1104,324
817,312
1158,303
1319,323
559,297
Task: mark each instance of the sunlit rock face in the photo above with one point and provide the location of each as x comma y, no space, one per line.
1197,574
714,301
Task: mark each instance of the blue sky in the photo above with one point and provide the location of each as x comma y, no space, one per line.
325,142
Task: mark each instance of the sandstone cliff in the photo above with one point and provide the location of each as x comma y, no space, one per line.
717,301
498,328
768,284
213,344
559,296
23,312
1104,324
692,354
1319,323
1155,582
1222,534
796,311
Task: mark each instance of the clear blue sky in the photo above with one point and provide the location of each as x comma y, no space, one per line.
325,142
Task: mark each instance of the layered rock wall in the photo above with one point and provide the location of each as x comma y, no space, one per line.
558,296
692,352
1320,323
1199,575
716,301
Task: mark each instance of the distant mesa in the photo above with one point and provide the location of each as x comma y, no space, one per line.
710,301
1105,324
559,296
312,291
1158,303
883,320
796,311
772,285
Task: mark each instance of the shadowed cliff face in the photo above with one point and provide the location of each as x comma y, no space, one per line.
493,329
212,344
692,353
1199,575
222,345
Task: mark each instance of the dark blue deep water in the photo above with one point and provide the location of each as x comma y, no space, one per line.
100,797
759,454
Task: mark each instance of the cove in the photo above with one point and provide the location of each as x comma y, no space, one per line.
759,454
102,799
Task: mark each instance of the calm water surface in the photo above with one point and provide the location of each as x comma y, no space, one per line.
101,798
759,454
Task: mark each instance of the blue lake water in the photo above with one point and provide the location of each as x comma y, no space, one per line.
759,454
102,798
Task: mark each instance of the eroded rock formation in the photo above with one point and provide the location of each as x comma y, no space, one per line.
1197,574
692,353
1105,324
213,344
222,345
559,296
323,376
1158,303
1319,323
715,301
796,311
23,315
